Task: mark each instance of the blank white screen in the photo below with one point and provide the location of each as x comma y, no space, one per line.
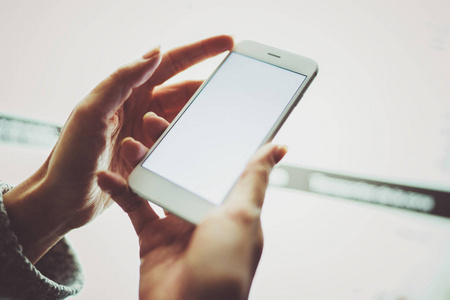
208,147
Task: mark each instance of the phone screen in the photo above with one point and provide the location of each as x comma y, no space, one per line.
208,147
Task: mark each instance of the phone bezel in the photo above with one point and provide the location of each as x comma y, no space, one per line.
184,203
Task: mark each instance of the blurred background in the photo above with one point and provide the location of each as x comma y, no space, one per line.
379,108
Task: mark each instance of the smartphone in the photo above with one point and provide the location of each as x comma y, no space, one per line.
195,163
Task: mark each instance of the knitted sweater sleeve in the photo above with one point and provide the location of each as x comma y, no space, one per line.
57,275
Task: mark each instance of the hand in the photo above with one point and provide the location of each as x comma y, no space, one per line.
215,260
63,193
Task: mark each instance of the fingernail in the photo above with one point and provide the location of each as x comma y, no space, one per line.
101,181
129,138
150,114
280,152
152,52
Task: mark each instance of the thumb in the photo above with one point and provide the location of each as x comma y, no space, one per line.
250,189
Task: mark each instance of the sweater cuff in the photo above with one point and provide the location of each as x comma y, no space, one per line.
56,275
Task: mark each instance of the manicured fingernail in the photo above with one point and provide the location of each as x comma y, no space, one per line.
280,152
152,52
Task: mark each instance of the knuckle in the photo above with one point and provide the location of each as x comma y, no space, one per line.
81,112
121,81
245,217
81,109
87,114
176,63
259,170
120,73
132,205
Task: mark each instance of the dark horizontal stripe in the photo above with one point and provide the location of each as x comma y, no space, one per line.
419,199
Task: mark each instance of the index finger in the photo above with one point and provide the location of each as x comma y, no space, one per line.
179,59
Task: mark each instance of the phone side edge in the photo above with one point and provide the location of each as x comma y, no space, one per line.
168,195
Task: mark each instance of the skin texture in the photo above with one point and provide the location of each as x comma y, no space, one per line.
63,194
216,259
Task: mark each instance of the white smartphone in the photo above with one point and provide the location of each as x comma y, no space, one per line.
197,160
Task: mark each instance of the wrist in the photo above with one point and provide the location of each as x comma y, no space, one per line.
36,227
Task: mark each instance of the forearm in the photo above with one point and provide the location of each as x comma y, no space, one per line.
33,222
56,276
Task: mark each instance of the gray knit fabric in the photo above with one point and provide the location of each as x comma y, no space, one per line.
57,275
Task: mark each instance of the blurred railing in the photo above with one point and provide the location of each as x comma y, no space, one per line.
19,130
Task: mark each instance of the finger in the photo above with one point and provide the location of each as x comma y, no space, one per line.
179,59
132,151
251,187
138,209
176,95
169,100
154,126
86,129
110,94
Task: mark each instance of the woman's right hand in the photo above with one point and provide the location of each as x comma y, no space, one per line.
216,259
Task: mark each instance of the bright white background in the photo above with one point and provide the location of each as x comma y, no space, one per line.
380,105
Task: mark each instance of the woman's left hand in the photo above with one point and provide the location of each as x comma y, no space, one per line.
63,194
